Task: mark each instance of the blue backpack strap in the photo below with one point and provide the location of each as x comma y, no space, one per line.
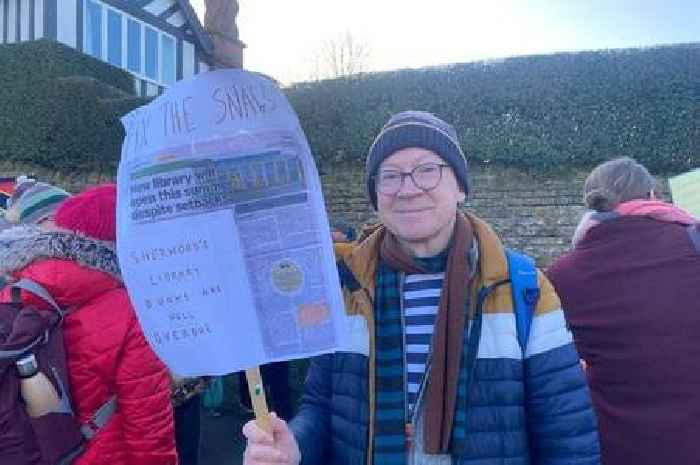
526,293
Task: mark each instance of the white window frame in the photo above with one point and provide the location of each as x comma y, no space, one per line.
159,81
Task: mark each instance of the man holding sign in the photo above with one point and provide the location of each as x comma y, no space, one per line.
436,372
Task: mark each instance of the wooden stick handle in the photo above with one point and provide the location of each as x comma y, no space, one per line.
257,398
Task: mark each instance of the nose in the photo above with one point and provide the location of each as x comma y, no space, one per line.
409,188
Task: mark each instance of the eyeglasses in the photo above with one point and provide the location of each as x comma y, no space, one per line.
425,177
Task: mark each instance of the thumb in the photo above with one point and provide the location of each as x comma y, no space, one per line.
279,426
284,439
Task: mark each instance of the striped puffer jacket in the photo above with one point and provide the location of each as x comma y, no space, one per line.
531,408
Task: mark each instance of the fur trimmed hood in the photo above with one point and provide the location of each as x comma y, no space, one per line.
22,245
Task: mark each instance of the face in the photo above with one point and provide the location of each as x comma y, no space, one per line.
419,219
48,224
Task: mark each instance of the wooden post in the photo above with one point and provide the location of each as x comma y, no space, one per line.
257,398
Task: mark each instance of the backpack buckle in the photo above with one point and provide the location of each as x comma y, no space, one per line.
89,429
531,295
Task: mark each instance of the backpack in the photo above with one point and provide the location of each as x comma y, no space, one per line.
55,438
526,293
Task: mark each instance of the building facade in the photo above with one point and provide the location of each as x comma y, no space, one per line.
157,41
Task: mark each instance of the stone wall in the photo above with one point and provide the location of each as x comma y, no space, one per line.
533,213
536,214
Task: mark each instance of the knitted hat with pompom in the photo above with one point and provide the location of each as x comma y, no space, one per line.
92,213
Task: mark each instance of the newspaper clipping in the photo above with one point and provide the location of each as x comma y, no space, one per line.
223,237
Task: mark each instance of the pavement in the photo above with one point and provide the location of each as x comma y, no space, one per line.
221,440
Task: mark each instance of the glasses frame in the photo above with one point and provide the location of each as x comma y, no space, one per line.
409,174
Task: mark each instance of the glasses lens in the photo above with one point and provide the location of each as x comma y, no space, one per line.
427,176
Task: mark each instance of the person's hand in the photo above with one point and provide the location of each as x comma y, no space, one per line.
338,236
280,448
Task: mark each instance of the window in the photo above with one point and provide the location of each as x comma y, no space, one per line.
126,42
151,53
168,45
93,29
114,38
133,44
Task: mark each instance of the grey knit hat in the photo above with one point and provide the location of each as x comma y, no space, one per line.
416,129
34,201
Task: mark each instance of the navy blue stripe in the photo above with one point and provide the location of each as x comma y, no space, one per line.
392,384
395,458
422,302
18,20
418,338
414,357
50,19
389,341
423,285
143,87
391,441
393,315
386,364
79,18
420,320
391,405
32,32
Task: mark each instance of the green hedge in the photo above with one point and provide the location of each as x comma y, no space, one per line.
58,120
539,111
46,59
60,109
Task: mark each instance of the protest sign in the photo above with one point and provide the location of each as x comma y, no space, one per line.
223,238
685,190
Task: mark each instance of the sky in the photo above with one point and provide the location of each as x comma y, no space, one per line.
284,37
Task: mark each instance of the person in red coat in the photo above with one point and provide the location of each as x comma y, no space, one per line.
106,351
631,293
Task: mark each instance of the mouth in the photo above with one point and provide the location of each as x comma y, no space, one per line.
412,211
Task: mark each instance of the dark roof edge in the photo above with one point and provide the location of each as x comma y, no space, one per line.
200,33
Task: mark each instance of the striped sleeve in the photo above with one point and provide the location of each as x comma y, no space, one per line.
561,421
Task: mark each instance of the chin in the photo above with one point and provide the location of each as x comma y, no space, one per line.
415,233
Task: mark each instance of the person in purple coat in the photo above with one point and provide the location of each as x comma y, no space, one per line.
631,293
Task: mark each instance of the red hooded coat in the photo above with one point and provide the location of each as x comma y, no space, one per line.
106,351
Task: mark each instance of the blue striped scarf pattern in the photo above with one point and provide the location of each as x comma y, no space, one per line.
390,436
